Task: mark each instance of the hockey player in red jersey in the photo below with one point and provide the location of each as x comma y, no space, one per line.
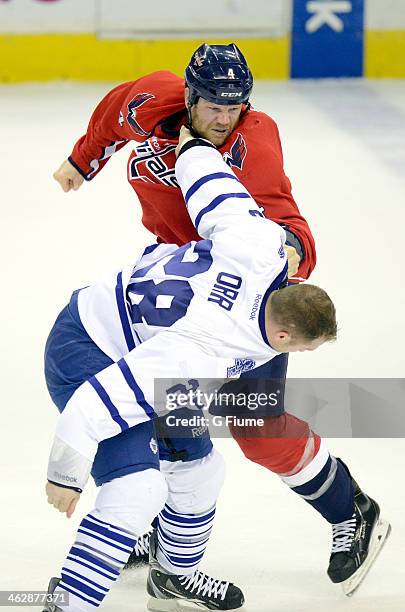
214,102
150,111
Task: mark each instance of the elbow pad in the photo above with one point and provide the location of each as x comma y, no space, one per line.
68,468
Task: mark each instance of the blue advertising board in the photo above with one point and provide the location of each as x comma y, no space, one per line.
327,38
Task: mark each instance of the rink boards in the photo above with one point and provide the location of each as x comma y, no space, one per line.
56,39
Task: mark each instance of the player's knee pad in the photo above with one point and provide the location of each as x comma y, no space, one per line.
132,501
284,444
195,485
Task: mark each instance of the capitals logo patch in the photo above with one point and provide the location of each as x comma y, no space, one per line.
237,154
241,365
133,106
198,59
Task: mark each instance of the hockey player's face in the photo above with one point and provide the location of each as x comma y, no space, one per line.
283,342
215,122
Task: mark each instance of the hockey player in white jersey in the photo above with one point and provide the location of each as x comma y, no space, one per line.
174,313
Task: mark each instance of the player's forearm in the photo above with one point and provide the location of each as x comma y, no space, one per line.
299,236
91,152
94,413
282,208
284,211
67,468
105,135
214,197
308,261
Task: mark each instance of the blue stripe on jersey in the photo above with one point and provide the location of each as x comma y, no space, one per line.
105,398
131,382
206,179
122,310
218,200
150,249
278,281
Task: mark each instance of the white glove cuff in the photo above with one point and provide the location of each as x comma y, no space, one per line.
67,467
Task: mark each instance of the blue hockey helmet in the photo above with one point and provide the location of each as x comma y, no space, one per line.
219,74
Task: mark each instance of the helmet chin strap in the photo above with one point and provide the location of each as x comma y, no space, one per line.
247,109
189,125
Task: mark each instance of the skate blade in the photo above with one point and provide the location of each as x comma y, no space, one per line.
180,605
379,537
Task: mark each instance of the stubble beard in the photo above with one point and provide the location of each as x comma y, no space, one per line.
217,139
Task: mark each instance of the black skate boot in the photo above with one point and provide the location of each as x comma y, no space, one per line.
140,555
357,543
50,606
172,593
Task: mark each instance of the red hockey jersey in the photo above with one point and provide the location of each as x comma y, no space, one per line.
150,111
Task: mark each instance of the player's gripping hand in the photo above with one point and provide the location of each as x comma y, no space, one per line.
184,136
64,500
68,177
293,260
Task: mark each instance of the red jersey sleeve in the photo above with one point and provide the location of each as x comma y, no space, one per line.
265,179
130,111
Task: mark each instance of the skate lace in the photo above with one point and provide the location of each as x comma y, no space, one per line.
201,584
342,534
142,544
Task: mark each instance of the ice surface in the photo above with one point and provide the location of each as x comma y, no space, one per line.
344,147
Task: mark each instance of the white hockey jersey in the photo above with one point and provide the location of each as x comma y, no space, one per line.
195,311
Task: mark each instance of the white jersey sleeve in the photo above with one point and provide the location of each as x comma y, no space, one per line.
123,395
220,207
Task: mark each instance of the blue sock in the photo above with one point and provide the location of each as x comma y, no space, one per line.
182,539
94,562
330,492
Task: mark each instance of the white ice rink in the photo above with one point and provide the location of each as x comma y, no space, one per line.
344,148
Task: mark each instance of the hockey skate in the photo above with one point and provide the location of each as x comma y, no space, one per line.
172,593
140,555
49,606
357,543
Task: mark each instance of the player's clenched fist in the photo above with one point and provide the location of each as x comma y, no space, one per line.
62,499
293,260
68,177
184,136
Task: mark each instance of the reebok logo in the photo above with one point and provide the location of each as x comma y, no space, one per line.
255,308
64,477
